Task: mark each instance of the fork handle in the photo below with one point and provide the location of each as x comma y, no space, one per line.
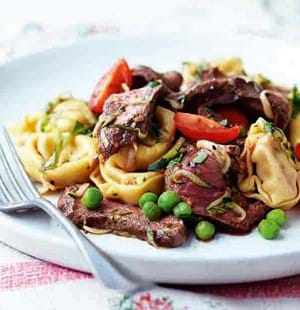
102,266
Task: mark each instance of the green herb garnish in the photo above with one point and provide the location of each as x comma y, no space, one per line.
150,237
217,210
202,67
200,158
110,119
260,79
49,107
81,129
44,122
268,127
294,98
165,159
175,161
153,84
52,161
224,122
243,132
227,199
198,78
181,98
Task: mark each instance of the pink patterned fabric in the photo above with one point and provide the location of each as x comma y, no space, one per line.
34,273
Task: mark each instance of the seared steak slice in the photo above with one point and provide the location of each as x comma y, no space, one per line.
209,202
224,90
125,117
123,219
142,75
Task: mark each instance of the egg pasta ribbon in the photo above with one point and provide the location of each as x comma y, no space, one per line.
50,160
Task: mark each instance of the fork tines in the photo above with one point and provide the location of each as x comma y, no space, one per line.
15,184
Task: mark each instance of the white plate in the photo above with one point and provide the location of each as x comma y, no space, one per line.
27,84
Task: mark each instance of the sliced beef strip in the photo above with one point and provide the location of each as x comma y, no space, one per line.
122,219
231,90
200,198
124,116
142,75
207,93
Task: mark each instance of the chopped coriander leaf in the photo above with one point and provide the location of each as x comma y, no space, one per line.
200,158
181,98
224,122
81,129
243,132
294,98
227,199
217,210
159,164
263,79
260,78
52,161
153,84
201,67
165,159
198,78
44,122
269,127
175,161
68,137
110,119
49,107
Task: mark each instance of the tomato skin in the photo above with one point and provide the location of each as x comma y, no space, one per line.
297,151
198,127
234,116
110,83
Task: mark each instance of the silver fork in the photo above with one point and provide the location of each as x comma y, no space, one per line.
18,193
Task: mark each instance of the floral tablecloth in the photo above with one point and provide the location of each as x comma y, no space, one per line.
29,284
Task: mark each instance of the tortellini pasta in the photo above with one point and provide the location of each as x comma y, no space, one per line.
58,166
62,115
52,144
116,183
148,150
268,170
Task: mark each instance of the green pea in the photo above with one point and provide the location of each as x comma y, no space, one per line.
147,197
205,230
278,216
168,200
92,198
182,209
152,211
268,229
